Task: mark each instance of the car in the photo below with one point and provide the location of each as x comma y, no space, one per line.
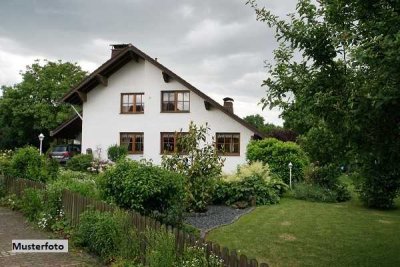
63,153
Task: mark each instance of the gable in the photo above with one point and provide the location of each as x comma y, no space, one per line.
77,95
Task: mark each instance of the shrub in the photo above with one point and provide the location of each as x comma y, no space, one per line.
149,189
200,164
328,177
5,161
103,234
198,256
11,201
28,163
252,181
116,152
313,192
160,249
277,155
32,203
379,186
80,162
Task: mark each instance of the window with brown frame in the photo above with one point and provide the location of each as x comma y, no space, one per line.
132,103
169,142
175,101
228,144
134,142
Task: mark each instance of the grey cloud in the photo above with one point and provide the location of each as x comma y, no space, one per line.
216,45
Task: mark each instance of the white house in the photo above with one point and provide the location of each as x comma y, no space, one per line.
135,101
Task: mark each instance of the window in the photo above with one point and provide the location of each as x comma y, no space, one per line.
175,101
133,142
132,103
169,143
228,144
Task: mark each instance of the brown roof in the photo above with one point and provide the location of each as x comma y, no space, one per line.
133,53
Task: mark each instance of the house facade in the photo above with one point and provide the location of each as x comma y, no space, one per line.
134,101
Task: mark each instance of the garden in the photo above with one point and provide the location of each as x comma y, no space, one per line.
186,184
316,220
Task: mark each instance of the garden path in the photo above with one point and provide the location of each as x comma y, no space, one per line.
13,225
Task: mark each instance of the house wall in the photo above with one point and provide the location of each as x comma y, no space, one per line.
102,121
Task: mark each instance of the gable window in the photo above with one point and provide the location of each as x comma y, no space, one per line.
169,142
133,142
132,103
175,101
228,144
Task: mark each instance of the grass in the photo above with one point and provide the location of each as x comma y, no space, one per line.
300,233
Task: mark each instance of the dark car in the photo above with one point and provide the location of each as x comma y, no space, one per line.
62,153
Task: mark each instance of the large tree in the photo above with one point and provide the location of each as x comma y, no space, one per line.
336,77
31,106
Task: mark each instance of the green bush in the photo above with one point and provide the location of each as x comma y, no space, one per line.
313,192
252,181
2,187
116,152
379,185
32,203
5,161
148,189
198,256
160,250
328,177
80,162
278,155
200,164
104,233
78,182
28,163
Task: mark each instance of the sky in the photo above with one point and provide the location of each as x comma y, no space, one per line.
216,45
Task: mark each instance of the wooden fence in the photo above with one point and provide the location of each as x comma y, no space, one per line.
74,204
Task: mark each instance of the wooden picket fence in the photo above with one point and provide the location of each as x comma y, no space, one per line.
74,204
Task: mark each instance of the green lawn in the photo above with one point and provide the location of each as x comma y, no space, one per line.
300,233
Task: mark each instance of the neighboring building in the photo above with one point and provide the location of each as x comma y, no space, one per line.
133,100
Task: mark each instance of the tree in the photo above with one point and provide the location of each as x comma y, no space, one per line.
344,87
31,107
271,130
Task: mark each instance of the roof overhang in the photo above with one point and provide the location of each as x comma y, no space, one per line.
69,129
77,95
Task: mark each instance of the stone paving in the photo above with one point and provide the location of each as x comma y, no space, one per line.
14,226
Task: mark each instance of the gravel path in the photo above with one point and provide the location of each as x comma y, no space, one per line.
214,217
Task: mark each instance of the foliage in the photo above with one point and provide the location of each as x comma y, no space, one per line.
327,177
197,256
28,163
199,163
344,86
102,233
31,107
278,155
160,249
313,192
271,130
80,162
116,152
11,201
78,182
149,189
251,182
5,161
32,203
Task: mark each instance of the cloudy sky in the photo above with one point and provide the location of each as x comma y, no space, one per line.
217,45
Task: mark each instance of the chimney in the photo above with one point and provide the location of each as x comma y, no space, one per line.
228,104
116,48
